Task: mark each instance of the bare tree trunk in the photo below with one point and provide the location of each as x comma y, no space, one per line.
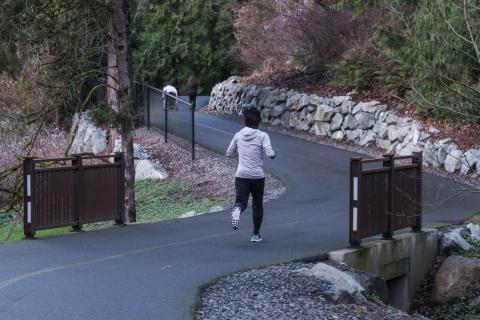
120,94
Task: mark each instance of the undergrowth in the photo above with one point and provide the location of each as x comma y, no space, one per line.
461,308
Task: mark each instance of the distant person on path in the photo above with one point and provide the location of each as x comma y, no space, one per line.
170,102
192,87
249,144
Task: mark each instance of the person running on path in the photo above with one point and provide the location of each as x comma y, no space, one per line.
250,144
170,102
192,87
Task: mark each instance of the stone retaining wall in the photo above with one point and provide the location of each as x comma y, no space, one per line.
341,118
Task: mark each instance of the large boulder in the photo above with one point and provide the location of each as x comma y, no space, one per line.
372,283
381,129
453,161
336,122
343,289
346,107
324,113
322,128
453,240
338,100
397,133
456,278
443,148
87,136
138,151
349,123
146,169
384,144
430,154
365,120
470,160
407,149
354,135
474,231
367,138
365,106
338,135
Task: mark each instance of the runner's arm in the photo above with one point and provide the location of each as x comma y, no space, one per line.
267,147
232,148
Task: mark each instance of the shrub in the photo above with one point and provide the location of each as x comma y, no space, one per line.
431,50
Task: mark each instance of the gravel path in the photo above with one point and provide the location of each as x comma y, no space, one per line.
211,174
276,292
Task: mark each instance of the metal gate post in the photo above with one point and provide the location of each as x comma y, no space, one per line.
418,159
193,130
355,176
28,197
165,105
77,202
148,108
389,161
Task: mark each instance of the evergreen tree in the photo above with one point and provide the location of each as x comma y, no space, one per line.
178,37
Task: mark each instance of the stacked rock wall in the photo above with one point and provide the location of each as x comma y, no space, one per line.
341,118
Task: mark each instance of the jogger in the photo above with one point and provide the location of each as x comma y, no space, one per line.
250,144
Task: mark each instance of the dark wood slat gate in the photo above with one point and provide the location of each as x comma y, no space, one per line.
58,194
386,198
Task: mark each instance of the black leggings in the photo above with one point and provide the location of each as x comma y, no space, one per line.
245,187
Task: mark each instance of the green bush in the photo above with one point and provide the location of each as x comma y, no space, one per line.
358,71
428,49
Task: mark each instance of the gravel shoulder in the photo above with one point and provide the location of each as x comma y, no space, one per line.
277,292
212,175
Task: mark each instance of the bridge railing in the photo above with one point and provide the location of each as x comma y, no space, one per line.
160,108
72,191
385,195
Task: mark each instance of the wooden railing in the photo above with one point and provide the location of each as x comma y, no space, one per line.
72,191
385,195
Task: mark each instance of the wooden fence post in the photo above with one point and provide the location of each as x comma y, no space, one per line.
389,161
418,159
120,159
77,162
355,177
28,198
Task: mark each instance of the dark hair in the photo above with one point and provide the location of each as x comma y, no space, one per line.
192,81
252,118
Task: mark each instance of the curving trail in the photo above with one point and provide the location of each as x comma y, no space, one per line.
154,271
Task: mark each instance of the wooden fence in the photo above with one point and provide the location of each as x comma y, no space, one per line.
385,195
72,191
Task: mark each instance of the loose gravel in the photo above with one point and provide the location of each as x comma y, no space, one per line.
276,292
211,174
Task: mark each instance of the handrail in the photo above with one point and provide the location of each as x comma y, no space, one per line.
163,92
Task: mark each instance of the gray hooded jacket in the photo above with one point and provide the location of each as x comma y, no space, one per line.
250,144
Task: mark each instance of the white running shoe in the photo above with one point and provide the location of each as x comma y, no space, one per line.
235,218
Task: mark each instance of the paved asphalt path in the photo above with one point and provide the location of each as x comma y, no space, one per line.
154,271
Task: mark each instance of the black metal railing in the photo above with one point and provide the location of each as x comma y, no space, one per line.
160,108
